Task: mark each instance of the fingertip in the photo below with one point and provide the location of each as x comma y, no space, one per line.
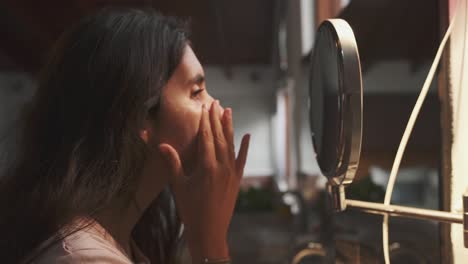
245,146
213,103
242,156
227,114
204,114
246,138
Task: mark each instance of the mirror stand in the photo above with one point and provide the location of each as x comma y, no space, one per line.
335,112
340,203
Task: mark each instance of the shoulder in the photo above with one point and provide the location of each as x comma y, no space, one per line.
82,247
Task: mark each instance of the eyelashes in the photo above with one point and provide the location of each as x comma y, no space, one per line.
197,93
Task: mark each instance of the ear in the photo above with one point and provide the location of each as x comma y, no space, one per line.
144,135
146,131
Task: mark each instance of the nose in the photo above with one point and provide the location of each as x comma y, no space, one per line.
221,108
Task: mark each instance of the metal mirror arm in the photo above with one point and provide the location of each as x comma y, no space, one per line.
340,203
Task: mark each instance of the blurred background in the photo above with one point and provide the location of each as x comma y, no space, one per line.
256,57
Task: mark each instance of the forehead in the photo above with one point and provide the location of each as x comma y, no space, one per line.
189,66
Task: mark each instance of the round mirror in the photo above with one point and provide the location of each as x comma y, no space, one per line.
335,101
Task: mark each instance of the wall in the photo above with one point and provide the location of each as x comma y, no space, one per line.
252,96
458,72
15,89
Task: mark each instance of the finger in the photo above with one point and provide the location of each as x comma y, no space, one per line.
177,175
205,139
217,130
242,156
229,132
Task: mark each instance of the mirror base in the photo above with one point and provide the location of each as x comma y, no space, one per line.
337,196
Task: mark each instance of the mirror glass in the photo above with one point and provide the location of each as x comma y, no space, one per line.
335,101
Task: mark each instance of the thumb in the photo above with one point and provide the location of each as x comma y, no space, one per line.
173,162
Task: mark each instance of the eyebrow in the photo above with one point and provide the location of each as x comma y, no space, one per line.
198,79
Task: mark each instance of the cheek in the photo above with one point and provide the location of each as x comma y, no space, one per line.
180,127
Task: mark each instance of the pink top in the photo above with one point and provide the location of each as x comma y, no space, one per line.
92,245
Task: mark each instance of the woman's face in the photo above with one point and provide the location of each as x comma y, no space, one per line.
180,111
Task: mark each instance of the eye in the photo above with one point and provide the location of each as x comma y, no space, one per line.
197,93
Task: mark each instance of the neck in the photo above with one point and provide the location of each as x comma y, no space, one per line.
118,223
120,218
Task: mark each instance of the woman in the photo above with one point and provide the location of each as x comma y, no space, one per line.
121,114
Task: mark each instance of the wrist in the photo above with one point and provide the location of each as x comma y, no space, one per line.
202,249
217,261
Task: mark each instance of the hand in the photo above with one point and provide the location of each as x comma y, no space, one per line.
206,197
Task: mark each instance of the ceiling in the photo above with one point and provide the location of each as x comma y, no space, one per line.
226,32
391,30
223,32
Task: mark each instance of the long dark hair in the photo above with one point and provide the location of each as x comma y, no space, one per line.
79,148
